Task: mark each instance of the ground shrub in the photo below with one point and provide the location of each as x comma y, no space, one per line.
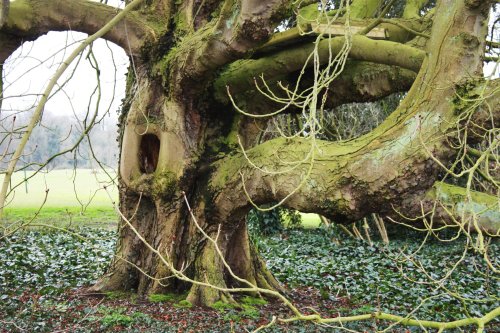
379,276
38,268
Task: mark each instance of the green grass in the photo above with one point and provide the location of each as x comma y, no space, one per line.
66,188
90,206
310,220
104,217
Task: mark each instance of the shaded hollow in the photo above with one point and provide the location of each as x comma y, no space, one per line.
148,153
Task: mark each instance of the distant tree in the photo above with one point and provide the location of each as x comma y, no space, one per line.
57,134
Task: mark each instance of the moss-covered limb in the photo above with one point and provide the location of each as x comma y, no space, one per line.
413,7
397,30
239,76
239,27
359,82
459,202
380,169
365,82
29,19
365,8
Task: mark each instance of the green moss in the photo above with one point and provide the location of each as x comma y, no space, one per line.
181,23
340,206
248,300
115,319
466,96
250,311
482,205
164,184
365,8
160,298
232,139
307,15
469,41
118,294
190,43
183,304
222,306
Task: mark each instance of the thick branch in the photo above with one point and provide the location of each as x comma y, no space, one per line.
29,19
359,82
348,180
396,29
240,74
455,202
241,26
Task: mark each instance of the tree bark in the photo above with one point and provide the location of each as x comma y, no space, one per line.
178,136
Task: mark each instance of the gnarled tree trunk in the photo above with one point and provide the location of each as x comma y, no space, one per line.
179,132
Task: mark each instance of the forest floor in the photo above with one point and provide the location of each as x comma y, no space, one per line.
44,277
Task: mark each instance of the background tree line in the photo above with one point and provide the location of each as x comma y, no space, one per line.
58,132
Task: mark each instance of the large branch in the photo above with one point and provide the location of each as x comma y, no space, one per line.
241,26
359,82
239,76
380,169
29,19
455,202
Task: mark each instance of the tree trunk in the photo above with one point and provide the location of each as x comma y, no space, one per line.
161,145
173,142
179,135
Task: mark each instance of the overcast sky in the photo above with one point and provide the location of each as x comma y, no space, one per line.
29,69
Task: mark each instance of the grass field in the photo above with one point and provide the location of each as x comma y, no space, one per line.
66,189
310,220
72,197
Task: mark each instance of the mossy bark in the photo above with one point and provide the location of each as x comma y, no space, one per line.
177,138
197,155
151,200
386,166
365,8
458,205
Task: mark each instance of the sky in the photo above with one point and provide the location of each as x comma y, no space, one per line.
29,69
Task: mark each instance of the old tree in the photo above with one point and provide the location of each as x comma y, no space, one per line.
204,74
